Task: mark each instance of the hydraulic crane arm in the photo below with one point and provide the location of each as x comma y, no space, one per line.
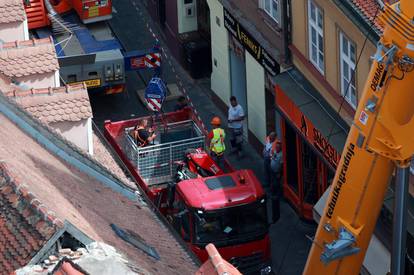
380,139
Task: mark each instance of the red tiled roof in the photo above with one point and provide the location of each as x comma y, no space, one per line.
31,57
69,103
12,11
370,10
25,223
88,204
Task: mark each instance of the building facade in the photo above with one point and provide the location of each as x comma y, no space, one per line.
13,21
186,29
332,42
248,50
331,45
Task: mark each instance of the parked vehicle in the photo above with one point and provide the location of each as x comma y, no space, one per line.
86,47
203,203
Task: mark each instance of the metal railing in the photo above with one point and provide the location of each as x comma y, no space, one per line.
157,163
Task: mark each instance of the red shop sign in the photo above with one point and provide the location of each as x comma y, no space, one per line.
306,127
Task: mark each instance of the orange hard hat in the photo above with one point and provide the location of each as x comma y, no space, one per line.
215,121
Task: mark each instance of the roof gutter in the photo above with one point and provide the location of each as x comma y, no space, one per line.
357,18
22,120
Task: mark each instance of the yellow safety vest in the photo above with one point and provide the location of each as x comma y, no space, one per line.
217,142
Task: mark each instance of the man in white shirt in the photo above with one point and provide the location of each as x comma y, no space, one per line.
235,125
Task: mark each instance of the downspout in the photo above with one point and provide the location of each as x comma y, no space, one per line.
54,149
287,18
90,136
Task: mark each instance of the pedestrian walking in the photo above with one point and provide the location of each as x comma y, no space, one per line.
276,164
217,146
268,152
235,125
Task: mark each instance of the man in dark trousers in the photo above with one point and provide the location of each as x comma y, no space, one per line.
268,152
276,164
235,124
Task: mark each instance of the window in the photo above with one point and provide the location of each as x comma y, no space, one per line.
315,23
271,7
347,59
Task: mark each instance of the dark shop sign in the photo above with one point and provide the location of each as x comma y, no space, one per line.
249,43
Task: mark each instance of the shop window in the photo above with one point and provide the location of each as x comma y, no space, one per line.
316,45
309,174
271,7
291,158
347,60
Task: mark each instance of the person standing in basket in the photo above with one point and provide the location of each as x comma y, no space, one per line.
235,125
143,134
217,146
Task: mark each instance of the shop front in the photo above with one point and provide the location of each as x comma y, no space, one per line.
312,139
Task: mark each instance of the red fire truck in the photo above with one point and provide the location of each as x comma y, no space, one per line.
206,206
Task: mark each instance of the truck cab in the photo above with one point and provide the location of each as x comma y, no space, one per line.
227,210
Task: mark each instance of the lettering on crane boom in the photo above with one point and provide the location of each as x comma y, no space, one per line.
341,180
378,79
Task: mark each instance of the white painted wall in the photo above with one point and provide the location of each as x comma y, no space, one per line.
14,31
26,30
255,83
186,23
57,79
75,131
90,136
40,81
220,76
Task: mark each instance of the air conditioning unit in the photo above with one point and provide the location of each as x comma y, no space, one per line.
189,10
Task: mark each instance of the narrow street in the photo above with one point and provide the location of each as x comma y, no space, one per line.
132,25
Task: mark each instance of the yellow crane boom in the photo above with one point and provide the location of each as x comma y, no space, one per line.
381,138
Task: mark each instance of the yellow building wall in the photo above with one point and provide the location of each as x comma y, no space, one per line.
255,87
220,76
334,22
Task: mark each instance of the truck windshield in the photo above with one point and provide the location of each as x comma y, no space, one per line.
235,223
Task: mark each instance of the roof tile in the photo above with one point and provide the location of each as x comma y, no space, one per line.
31,57
20,238
12,11
83,201
55,104
369,9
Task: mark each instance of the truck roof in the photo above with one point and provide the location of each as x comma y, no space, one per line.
221,191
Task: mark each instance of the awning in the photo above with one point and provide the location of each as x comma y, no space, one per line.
301,103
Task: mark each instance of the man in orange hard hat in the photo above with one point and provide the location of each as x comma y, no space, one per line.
216,137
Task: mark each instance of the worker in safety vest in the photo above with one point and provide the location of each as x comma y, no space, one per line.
216,137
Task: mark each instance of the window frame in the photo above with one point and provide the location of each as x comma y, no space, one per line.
351,64
262,5
319,31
